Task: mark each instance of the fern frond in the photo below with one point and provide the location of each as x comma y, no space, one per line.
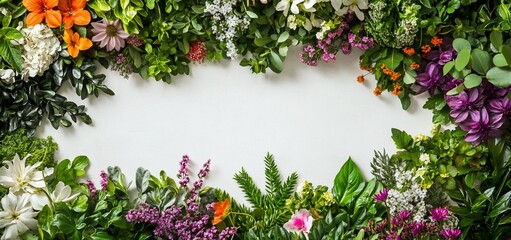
273,181
382,168
252,193
288,188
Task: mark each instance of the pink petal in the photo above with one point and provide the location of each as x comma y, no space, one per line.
98,26
122,34
99,37
111,44
104,43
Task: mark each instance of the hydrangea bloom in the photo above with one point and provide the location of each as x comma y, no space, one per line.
40,49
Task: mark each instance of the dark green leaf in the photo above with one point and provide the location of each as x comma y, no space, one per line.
401,138
348,183
11,54
481,62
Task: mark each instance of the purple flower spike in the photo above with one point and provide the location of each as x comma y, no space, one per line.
450,233
382,196
439,214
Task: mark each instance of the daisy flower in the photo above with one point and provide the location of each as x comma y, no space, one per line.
109,34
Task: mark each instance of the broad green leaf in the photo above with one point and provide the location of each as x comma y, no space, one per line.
393,60
283,50
496,39
101,235
401,138
124,3
499,76
142,179
426,3
99,5
499,60
506,51
283,37
79,165
447,67
80,204
481,61
252,14
262,41
348,183
462,59
366,196
276,62
135,55
150,4
11,33
472,80
409,77
460,44
11,54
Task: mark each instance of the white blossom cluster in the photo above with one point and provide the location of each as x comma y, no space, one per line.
407,195
7,75
325,28
226,23
40,49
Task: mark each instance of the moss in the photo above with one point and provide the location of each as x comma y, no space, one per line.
41,149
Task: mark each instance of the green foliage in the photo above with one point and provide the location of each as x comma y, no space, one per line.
382,169
159,192
485,207
318,200
268,208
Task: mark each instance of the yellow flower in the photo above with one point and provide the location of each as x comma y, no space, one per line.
444,175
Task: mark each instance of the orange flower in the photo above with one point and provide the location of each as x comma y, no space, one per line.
360,78
42,10
75,43
436,41
397,89
415,65
377,91
409,51
395,76
221,210
74,13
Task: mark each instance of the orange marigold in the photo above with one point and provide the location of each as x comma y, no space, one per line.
436,41
409,51
395,75
415,65
426,49
360,78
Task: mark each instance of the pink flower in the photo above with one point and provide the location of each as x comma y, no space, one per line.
382,196
404,214
450,233
439,214
109,34
300,222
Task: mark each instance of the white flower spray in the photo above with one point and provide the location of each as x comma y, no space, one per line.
226,23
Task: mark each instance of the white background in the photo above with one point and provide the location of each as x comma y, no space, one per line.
310,118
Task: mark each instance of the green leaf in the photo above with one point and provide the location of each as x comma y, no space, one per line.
101,235
135,55
502,205
124,3
348,183
150,4
447,67
481,61
11,33
11,54
426,3
283,37
499,76
472,80
460,43
401,138
499,60
80,204
462,59
393,60
79,165
496,39
276,62
251,14
456,90
260,42
142,179
409,78
506,51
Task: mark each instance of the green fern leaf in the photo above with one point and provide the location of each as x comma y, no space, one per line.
252,193
273,181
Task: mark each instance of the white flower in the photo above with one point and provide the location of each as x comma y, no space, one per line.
7,75
424,158
285,5
17,216
18,177
39,198
40,49
63,193
354,5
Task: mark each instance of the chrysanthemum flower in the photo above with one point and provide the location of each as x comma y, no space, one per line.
109,34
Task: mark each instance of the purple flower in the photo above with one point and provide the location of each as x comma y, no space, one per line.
499,107
464,104
183,174
417,228
382,196
450,83
439,214
92,188
450,233
481,127
403,215
429,79
104,180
